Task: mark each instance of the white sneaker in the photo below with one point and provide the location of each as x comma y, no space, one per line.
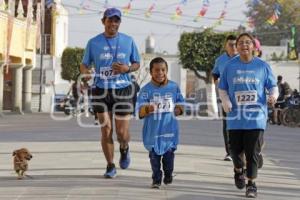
227,158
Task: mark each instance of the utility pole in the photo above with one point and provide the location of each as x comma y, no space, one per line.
42,46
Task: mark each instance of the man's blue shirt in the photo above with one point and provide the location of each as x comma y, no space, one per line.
102,52
220,64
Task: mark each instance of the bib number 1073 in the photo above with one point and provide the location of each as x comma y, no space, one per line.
107,73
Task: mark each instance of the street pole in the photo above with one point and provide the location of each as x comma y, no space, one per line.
299,71
42,14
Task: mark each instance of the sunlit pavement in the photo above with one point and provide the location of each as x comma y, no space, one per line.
68,163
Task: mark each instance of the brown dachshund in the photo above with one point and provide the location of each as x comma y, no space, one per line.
21,156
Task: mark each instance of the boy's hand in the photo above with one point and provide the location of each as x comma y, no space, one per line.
151,108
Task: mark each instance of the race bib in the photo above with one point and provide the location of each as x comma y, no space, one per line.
163,105
246,97
107,73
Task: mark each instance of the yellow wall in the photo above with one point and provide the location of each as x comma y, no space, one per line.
18,49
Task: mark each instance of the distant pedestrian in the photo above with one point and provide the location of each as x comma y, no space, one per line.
284,92
257,49
220,63
242,89
115,56
159,102
136,89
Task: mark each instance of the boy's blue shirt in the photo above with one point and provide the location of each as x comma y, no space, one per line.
102,53
160,130
220,64
246,85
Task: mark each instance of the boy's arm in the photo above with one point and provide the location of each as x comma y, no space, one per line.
145,110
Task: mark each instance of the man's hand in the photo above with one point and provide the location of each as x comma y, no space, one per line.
86,72
119,68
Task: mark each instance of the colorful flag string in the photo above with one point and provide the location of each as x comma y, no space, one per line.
275,16
127,8
203,10
84,5
150,10
250,22
222,15
178,11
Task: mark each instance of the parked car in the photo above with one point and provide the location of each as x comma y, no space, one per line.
58,101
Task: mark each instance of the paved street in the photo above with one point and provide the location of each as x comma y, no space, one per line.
68,162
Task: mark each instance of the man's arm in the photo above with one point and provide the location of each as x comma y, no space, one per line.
86,72
134,67
215,77
123,68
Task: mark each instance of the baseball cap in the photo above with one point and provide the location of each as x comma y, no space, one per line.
110,12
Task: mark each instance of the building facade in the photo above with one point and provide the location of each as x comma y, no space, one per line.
17,57
24,40
55,40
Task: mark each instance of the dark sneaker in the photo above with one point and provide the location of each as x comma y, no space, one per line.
155,185
228,158
111,171
239,179
168,180
124,158
251,190
260,161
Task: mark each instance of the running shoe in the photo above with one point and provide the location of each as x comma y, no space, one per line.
168,179
227,157
111,171
124,158
239,179
251,190
155,185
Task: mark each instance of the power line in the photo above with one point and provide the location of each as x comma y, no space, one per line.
156,14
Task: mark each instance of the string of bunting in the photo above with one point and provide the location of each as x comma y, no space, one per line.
178,13
222,15
203,10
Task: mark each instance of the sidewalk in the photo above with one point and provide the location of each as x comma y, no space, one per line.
73,170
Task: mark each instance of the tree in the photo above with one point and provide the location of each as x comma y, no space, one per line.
70,63
289,15
199,50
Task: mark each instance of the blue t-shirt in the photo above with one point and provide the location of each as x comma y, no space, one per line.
160,130
220,64
246,85
102,53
